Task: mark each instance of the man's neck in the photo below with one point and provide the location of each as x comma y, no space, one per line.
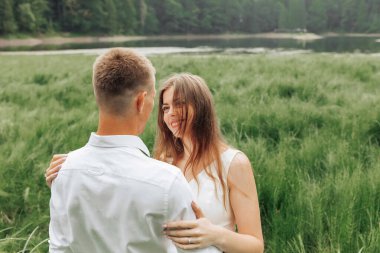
111,125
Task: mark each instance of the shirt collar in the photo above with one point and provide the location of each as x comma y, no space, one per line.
113,141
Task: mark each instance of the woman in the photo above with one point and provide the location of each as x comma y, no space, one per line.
220,177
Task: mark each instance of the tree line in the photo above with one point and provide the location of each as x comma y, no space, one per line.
187,16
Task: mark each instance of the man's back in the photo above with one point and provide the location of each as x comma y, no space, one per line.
111,197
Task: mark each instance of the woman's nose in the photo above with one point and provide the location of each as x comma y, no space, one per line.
171,111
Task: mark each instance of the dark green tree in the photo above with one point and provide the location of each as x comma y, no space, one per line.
151,23
142,11
283,19
349,15
249,17
190,21
362,23
317,17
96,21
334,15
7,20
374,23
267,15
26,18
211,16
42,13
169,14
297,14
111,22
233,14
75,17
187,16
57,8
126,16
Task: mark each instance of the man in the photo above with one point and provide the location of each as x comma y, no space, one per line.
109,195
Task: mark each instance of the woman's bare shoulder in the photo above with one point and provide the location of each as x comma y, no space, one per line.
240,168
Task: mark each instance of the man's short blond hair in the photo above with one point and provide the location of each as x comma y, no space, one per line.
117,75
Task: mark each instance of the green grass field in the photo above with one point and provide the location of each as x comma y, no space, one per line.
310,125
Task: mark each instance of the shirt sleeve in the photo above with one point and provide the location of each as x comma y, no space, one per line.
179,208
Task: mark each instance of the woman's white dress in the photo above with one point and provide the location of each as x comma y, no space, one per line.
209,196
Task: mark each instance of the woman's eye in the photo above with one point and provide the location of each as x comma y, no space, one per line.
179,104
165,109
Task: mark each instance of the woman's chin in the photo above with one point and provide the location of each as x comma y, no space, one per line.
176,133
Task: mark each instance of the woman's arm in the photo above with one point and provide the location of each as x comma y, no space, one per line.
245,206
54,166
244,202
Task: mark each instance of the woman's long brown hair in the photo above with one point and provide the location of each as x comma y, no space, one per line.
192,93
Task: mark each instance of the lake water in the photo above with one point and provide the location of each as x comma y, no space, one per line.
337,44
328,44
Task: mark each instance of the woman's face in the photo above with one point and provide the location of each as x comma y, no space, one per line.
173,111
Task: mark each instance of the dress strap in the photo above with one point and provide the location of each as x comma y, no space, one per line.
227,158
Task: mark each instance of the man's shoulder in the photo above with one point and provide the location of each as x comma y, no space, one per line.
78,152
136,167
168,168
162,172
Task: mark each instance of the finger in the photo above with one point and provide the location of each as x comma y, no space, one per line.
181,233
57,156
184,240
53,170
180,225
187,246
50,179
55,163
59,161
197,210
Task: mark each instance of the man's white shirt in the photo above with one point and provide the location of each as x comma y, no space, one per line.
110,196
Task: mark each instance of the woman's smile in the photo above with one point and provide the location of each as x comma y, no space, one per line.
175,123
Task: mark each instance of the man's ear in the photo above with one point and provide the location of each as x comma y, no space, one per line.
140,100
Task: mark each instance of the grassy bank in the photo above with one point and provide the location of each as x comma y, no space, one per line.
310,125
